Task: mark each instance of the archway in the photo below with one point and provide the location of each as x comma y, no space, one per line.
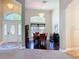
37,24
11,24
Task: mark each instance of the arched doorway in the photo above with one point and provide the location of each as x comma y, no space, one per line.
37,24
12,27
11,24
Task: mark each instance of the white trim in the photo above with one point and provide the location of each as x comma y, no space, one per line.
75,48
63,50
68,49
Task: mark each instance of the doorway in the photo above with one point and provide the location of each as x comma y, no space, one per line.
12,31
11,25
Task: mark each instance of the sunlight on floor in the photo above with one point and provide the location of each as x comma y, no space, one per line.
74,53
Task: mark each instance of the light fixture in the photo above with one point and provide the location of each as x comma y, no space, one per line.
41,14
44,1
10,5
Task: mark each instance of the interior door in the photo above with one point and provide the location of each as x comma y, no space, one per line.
12,31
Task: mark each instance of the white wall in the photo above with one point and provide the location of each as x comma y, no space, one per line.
68,17
58,19
72,15
62,13
69,24
55,20
23,20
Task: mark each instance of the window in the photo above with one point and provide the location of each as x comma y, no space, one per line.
12,29
41,29
37,24
19,29
5,29
37,19
13,16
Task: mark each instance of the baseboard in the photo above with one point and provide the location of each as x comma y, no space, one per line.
75,48
63,50
69,49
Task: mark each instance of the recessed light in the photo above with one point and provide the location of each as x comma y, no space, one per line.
10,5
41,14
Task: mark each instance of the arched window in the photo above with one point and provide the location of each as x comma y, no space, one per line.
37,19
37,24
13,16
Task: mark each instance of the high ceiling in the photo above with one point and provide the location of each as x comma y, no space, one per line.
11,6
42,4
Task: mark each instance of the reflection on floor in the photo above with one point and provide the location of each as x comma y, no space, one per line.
10,45
14,45
74,53
50,45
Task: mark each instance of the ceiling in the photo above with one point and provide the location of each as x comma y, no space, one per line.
38,4
16,7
